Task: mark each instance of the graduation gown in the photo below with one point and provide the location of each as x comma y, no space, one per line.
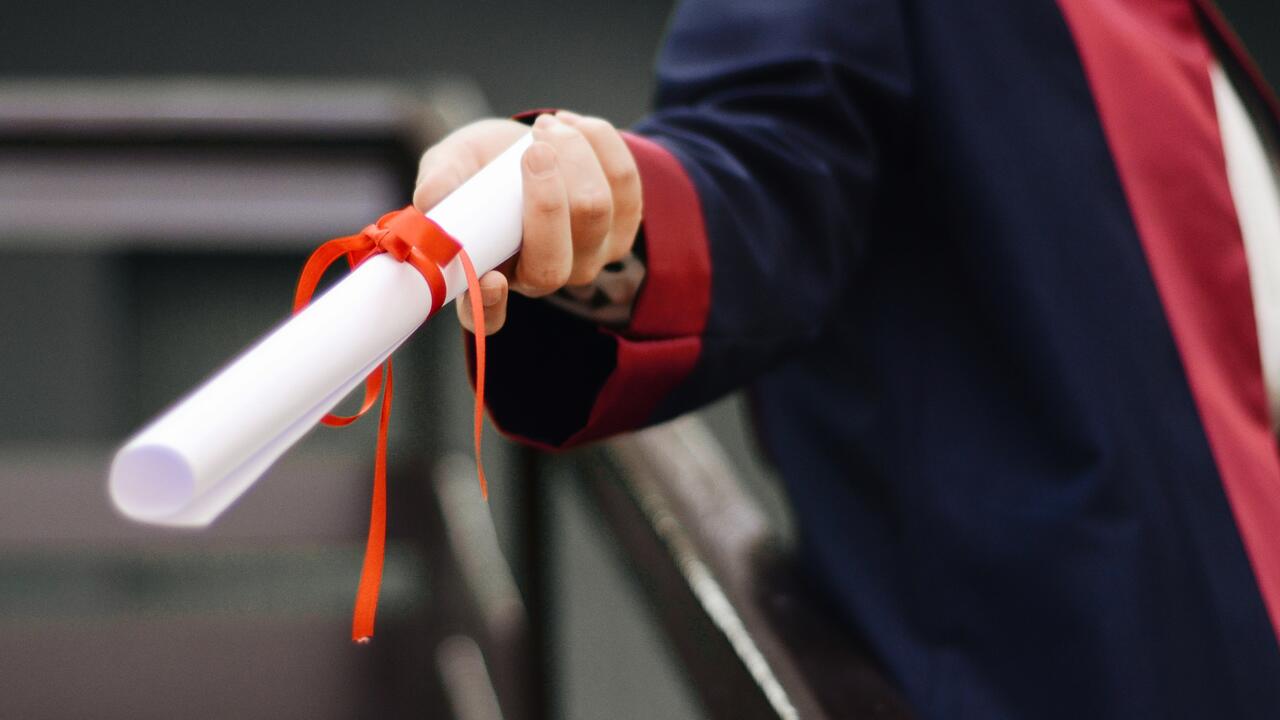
979,268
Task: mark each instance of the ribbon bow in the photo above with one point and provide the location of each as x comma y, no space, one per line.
410,237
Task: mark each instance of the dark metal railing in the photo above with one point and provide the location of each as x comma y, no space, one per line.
755,639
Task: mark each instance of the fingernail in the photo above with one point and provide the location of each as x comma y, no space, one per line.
544,121
541,159
568,115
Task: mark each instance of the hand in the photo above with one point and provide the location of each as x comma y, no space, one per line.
581,202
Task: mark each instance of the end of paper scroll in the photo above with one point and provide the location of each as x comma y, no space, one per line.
150,482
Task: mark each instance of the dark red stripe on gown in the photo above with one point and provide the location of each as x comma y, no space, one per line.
1148,62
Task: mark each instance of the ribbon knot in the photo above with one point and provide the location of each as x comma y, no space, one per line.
390,243
409,237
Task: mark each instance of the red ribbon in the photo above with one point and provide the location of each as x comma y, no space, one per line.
408,236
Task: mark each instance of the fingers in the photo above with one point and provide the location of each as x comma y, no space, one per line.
546,257
452,161
620,172
582,201
493,294
589,195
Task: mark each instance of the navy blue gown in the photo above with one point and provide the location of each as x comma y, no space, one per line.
978,266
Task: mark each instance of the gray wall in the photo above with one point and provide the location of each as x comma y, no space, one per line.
591,55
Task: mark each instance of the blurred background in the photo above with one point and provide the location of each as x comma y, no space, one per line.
165,167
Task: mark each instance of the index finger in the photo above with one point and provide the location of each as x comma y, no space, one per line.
453,160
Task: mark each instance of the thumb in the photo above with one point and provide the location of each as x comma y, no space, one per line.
493,294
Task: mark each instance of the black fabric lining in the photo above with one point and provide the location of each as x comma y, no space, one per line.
546,368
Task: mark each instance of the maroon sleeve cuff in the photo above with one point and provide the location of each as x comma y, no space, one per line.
676,296
651,356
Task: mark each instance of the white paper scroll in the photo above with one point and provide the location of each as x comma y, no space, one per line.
193,461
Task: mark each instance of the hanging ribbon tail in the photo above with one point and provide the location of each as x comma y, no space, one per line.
409,237
366,609
477,318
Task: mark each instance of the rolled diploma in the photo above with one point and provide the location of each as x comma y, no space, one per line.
196,459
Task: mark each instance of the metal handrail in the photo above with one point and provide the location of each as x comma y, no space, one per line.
755,639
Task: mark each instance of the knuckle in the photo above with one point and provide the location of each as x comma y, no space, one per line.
628,207
625,175
564,131
558,276
546,203
594,206
545,277
585,272
622,249
595,126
